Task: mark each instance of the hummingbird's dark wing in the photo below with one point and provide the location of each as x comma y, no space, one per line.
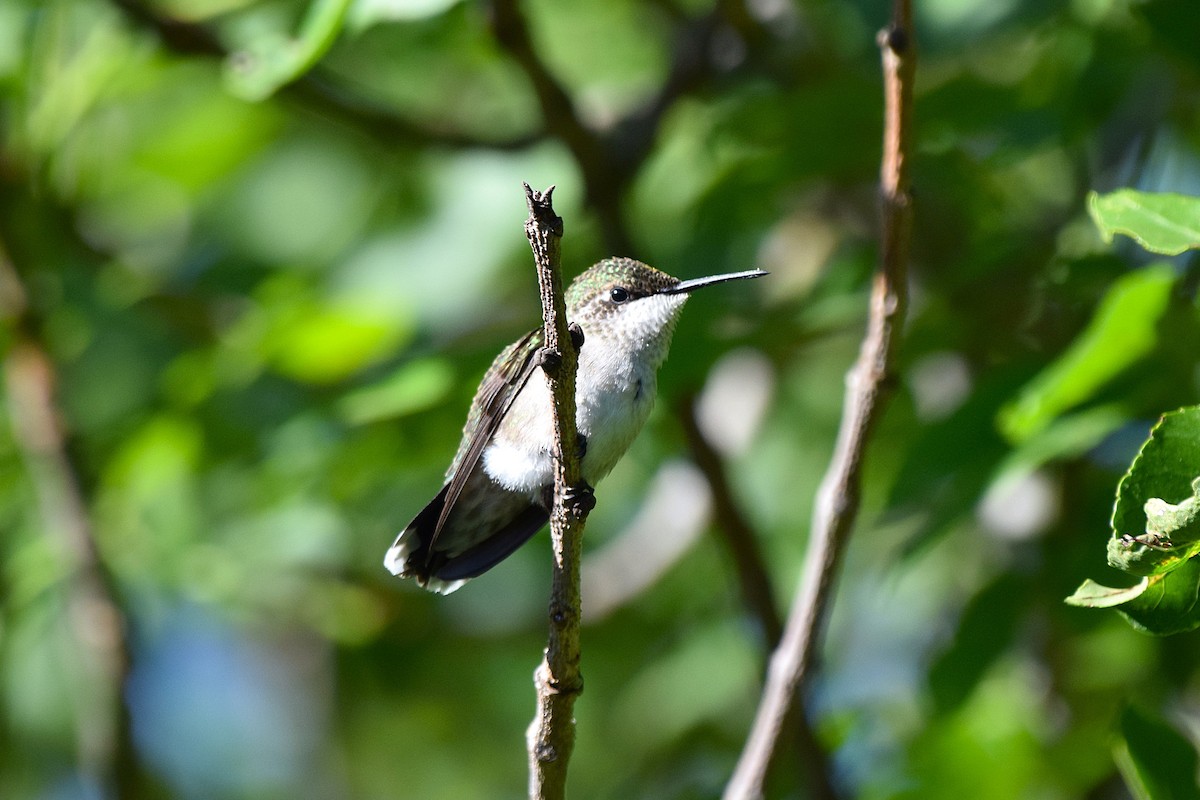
494,549
519,518
496,394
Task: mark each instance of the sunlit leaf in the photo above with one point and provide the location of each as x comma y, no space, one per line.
1169,605
333,343
273,61
1153,532
365,13
1165,468
1093,595
1171,535
1121,332
315,339
1161,223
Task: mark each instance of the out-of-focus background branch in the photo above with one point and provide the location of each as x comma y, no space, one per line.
259,323
870,384
93,633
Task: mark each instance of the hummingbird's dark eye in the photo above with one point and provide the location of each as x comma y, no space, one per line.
619,294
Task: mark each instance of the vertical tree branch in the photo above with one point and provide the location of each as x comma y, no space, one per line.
95,620
755,582
551,735
868,386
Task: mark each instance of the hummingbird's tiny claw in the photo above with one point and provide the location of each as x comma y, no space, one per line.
580,499
576,334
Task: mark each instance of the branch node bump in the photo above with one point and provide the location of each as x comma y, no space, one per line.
546,752
541,208
549,359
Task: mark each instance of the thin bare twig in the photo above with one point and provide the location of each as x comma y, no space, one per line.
754,581
551,735
868,387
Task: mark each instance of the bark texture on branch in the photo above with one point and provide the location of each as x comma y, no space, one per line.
868,387
558,681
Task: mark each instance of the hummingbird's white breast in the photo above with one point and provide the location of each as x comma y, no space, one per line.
614,392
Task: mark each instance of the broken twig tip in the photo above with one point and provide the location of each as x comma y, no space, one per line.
533,196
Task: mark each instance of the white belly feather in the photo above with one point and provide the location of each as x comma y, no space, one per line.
613,399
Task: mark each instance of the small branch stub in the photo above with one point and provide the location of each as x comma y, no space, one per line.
893,38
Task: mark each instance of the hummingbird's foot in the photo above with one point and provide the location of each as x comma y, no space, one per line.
549,360
576,335
580,499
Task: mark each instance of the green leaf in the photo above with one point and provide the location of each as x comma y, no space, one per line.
1156,532
1156,760
984,634
332,343
1168,605
1123,331
1069,436
273,61
1172,535
1165,467
366,13
1161,223
1093,595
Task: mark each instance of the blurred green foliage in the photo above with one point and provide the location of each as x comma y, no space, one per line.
264,321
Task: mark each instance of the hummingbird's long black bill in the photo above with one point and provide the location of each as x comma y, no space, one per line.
683,287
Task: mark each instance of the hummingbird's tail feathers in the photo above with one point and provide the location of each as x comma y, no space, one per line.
492,550
438,571
410,552
439,586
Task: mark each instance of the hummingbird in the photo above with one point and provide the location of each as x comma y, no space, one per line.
500,486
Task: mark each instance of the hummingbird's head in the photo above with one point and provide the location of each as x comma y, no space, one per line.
633,303
624,301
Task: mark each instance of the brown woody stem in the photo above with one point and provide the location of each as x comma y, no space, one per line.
868,387
551,735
